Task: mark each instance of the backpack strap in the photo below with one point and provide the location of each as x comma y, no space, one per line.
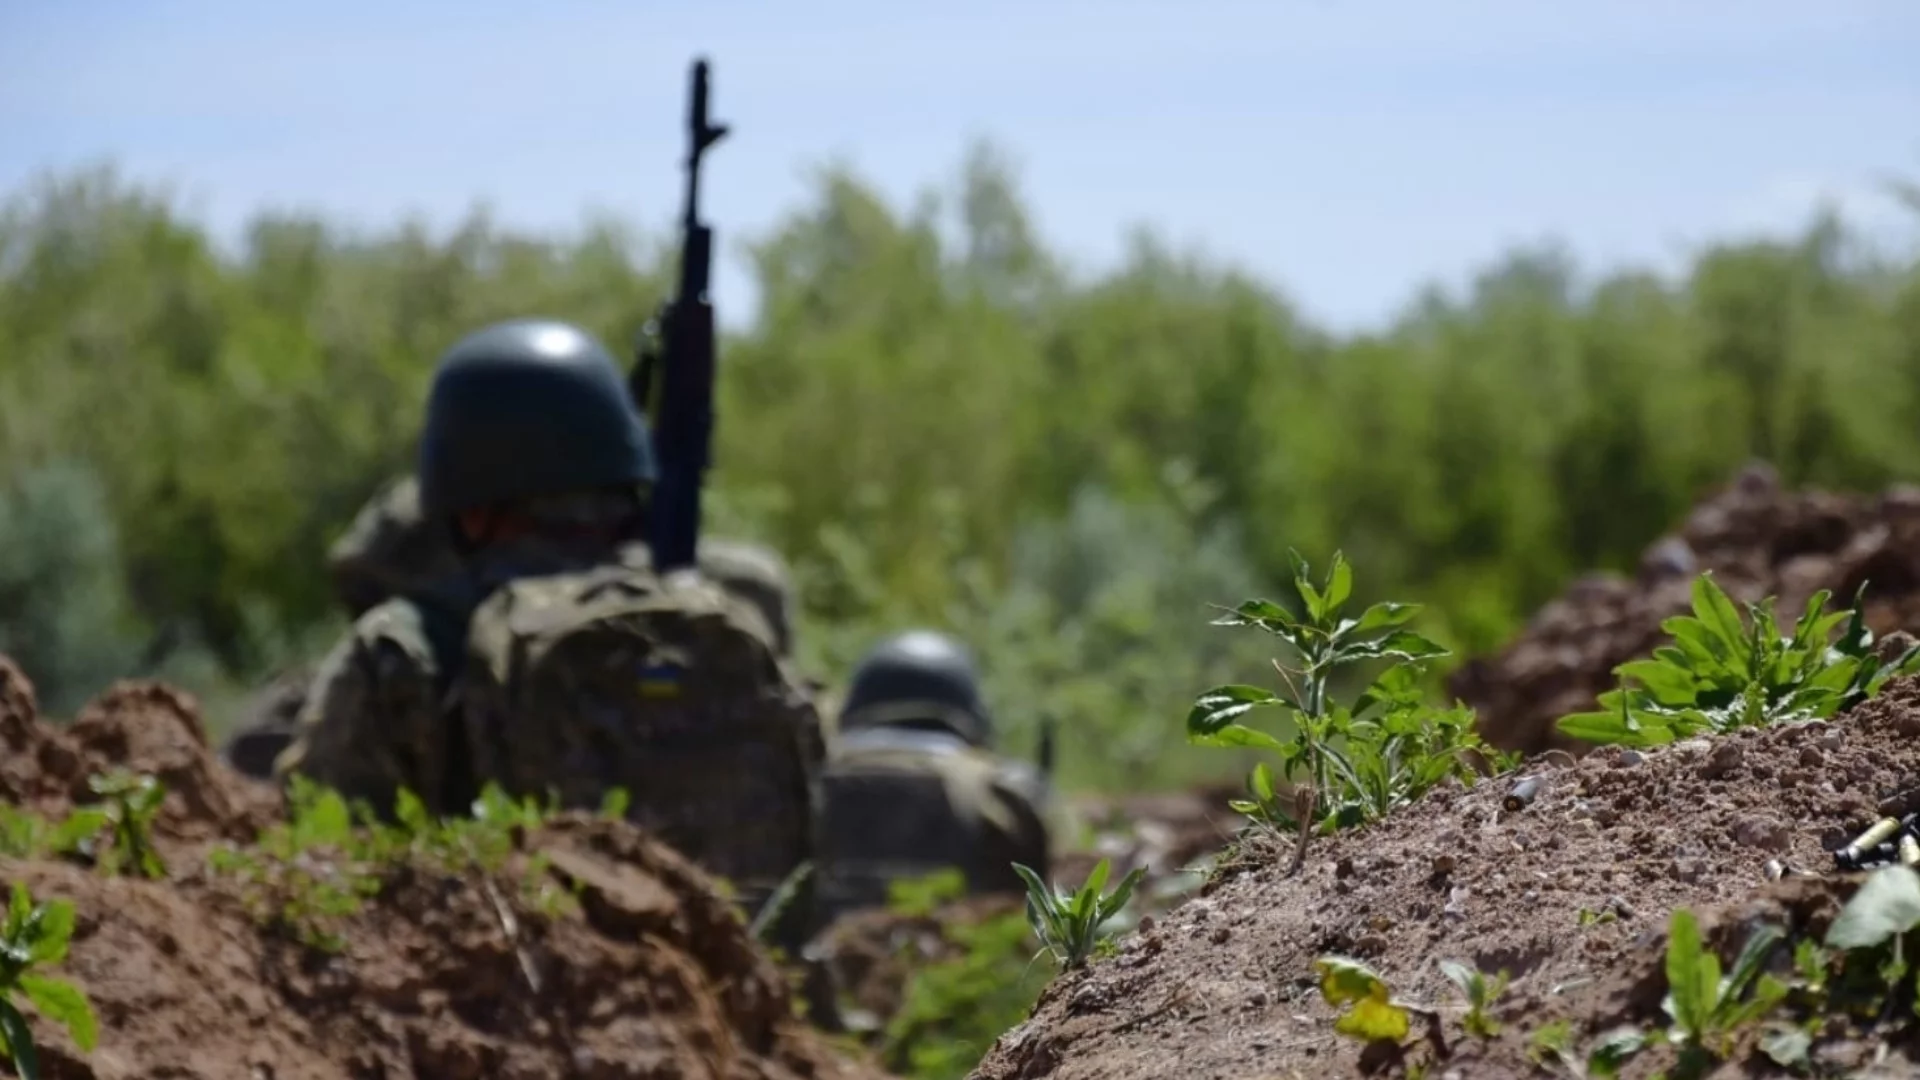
446,614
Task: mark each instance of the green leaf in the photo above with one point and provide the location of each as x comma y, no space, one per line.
53,932
1383,616
1886,904
1604,729
1239,735
1339,583
614,804
1668,683
1752,956
1372,1020
1221,706
1262,783
1714,608
1256,613
1613,1048
64,1004
1787,1045
19,1041
1693,975
1458,974
1343,981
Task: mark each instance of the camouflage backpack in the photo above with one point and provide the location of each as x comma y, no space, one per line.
901,803
669,688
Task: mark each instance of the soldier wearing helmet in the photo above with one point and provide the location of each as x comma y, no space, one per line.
912,784
537,467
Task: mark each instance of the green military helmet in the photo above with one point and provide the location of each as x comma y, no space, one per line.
919,677
757,575
524,409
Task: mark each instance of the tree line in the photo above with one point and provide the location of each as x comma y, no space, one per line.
930,416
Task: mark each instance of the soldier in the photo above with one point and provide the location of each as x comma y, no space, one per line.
392,550
913,787
549,660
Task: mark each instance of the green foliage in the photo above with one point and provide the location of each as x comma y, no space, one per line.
310,872
956,1005
976,417
1069,924
35,935
65,615
1480,993
1723,673
131,801
1357,762
1707,1008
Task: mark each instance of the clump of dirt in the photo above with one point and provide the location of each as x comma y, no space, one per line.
1561,893
1163,833
1758,539
649,973
146,727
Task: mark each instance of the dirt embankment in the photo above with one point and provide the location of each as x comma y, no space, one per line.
1758,539
1569,894
651,976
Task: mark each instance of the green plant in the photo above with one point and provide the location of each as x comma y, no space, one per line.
130,803
306,874
1069,924
1371,1014
1480,993
36,935
1722,672
25,835
955,1007
1359,762
1707,1008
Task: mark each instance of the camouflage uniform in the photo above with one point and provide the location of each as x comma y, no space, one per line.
913,787
391,550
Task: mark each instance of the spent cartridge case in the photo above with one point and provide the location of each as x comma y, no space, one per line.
1522,794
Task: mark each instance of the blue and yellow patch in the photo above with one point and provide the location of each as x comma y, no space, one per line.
661,681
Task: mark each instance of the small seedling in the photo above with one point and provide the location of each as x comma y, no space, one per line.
1553,1044
130,803
36,935
1068,924
1371,1013
1480,993
1707,1009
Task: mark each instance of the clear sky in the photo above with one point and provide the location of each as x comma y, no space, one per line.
1347,150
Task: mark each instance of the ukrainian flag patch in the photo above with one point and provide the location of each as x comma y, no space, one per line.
661,680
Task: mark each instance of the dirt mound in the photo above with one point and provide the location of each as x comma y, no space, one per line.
1571,887
1758,540
142,726
1161,832
649,972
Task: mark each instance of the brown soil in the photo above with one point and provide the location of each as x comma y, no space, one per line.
652,975
1575,886
1757,539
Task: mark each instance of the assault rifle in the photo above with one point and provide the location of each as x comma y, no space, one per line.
673,375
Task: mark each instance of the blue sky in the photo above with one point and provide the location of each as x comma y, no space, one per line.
1346,150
